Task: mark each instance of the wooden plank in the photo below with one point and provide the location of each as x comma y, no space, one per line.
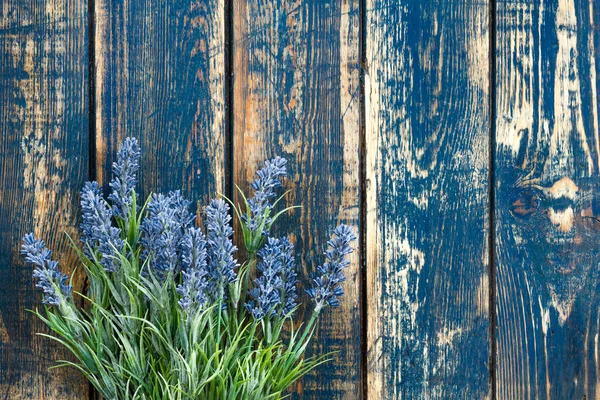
296,94
159,70
427,146
547,199
43,164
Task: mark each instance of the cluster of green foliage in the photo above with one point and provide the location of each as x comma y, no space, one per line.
131,337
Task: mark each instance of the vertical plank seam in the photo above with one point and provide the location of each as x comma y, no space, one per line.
91,121
492,199
92,90
362,54
229,132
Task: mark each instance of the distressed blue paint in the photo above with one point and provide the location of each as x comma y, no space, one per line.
430,141
43,163
547,280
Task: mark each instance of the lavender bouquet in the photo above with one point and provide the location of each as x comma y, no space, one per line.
170,313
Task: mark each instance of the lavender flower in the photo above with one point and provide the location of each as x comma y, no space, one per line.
49,277
266,292
195,281
98,234
289,295
221,248
162,230
182,214
267,180
124,181
327,286
275,289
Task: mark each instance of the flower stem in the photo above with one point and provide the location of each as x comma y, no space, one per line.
246,284
309,327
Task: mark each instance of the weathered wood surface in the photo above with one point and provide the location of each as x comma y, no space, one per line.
296,94
159,76
427,148
43,163
548,200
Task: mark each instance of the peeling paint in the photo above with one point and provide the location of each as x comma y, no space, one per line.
447,337
4,338
563,219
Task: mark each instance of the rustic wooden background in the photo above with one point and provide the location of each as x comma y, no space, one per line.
460,138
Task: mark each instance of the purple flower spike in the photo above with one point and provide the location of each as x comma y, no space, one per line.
100,238
327,285
193,289
48,276
124,181
221,248
162,230
274,292
267,180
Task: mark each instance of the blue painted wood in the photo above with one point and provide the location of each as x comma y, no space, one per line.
427,159
547,187
43,164
159,75
296,94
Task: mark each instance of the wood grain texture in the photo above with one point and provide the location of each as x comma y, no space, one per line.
427,138
547,200
43,164
159,75
296,94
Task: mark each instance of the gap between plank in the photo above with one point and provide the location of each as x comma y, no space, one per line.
92,90
229,132
492,198
92,173
362,52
